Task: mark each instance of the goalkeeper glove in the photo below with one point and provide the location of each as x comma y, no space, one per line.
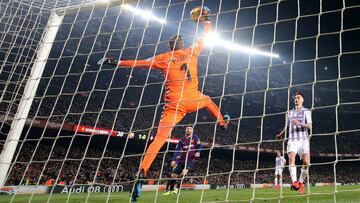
108,61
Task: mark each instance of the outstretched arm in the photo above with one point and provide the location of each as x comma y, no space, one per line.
147,63
207,29
136,63
199,45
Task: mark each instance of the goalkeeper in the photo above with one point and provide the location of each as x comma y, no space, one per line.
182,96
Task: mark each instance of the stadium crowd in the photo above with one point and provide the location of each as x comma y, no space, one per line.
93,167
36,165
139,121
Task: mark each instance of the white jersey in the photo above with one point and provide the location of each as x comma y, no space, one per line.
280,162
298,133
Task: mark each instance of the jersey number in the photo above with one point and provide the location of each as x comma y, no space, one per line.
185,68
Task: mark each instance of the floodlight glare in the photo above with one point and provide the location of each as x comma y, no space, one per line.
143,13
212,39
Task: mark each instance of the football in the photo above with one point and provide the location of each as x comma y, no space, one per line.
198,13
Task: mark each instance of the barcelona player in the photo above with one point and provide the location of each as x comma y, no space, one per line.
187,150
179,67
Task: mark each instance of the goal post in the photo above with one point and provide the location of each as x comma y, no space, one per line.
22,112
44,48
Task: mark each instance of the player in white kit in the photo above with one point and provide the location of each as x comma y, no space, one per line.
279,166
298,123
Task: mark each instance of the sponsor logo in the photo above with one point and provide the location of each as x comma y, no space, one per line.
350,184
232,186
87,189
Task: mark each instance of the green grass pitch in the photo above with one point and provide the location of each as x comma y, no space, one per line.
325,194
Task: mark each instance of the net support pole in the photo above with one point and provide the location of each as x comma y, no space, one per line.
21,115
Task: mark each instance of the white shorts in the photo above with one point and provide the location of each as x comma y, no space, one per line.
299,147
278,171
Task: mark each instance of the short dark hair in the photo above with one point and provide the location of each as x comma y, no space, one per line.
300,93
172,41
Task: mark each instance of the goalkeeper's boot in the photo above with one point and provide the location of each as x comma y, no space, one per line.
227,122
295,186
137,187
301,188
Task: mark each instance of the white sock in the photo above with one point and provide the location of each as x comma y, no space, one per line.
280,183
303,175
292,170
276,181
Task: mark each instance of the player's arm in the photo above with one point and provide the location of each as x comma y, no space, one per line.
207,29
198,146
178,148
281,135
147,63
308,121
200,44
308,124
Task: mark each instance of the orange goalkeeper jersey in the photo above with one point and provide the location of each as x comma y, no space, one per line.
179,68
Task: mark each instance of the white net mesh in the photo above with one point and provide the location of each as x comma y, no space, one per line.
75,136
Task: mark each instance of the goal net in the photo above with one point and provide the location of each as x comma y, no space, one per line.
69,125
